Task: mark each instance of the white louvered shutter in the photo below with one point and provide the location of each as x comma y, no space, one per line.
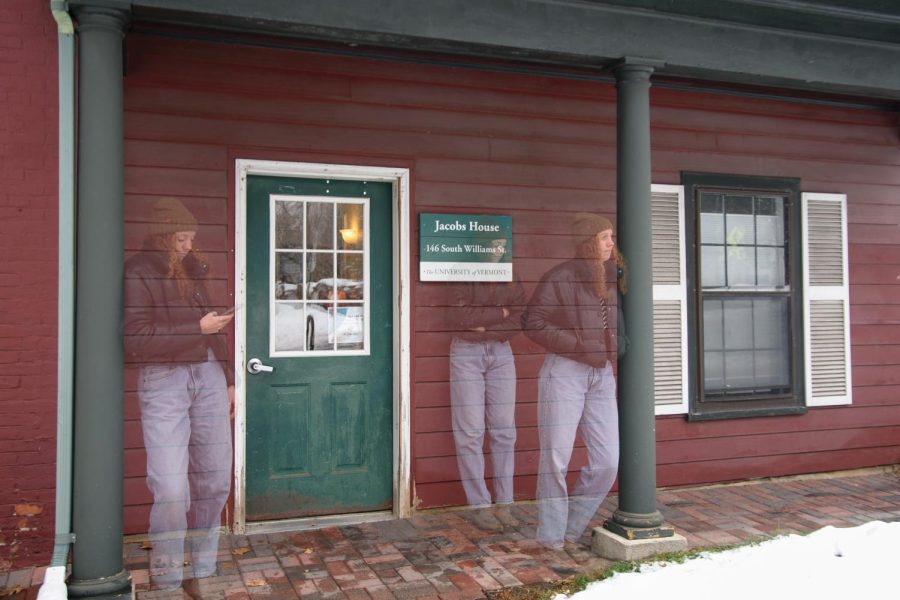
826,292
669,300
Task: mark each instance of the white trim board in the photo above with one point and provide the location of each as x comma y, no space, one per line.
399,178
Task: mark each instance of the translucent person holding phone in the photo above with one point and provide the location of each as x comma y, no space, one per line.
185,391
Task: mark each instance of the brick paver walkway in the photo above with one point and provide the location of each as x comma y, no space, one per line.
444,554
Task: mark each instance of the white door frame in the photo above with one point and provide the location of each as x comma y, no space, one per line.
399,178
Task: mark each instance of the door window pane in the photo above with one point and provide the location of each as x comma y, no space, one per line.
320,225
288,224
288,332
350,226
349,327
350,276
319,275
289,275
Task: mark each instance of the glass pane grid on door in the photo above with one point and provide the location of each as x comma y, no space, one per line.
319,278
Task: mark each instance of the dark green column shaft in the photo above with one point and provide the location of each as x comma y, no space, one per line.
97,567
637,424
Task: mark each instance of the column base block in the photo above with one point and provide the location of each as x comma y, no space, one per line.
612,546
118,587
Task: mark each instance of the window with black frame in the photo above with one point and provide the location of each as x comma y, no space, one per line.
746,309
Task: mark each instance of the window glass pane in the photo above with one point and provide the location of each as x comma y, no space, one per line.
738,324
770,221
741,261
350,226
713,325
288,224
350,276
319,327
320,225
349,328
712,266
289,275
739,226
739,370
713,372
770,323
319,274
288,329
772,369
770,267
712,219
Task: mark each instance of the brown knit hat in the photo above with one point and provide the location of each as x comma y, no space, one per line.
170,215
587,225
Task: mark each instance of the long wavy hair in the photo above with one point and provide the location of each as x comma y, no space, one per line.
589,250
165,243
621,271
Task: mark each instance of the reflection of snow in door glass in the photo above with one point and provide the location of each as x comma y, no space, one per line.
319,271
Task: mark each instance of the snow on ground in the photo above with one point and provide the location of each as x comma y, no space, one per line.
828,564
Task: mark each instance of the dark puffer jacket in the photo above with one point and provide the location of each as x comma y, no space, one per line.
566,316
162,327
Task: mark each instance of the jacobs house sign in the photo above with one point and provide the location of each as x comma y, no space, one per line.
465,247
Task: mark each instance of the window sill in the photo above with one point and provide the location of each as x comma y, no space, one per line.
745,412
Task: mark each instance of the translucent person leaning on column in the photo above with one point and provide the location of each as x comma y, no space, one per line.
185,395
572,314
484,317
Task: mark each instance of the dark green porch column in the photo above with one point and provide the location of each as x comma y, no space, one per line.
637,516
97,567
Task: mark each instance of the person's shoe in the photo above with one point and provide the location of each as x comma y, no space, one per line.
505,516
484,520
164,586
192,588
551,544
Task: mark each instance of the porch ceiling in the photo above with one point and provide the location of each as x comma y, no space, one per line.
832,46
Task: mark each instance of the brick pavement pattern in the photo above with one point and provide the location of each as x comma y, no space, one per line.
444,554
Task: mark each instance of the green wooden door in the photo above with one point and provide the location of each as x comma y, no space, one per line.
319,311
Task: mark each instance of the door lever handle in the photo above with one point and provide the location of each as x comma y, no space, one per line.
254,366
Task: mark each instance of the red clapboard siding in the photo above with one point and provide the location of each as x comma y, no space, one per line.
539,149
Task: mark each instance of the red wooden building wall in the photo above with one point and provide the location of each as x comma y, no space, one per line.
538,148
28,275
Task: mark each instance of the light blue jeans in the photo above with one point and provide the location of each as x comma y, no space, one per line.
187,433
574,397
483,392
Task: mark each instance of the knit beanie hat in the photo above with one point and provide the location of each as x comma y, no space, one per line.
588,225
170,215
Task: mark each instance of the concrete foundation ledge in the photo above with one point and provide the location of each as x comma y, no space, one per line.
614,547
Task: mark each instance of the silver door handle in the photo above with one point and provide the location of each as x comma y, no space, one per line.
254,366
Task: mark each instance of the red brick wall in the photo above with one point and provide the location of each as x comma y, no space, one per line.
28,226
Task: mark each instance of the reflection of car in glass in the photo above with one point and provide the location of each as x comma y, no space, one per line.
324,289
326,323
